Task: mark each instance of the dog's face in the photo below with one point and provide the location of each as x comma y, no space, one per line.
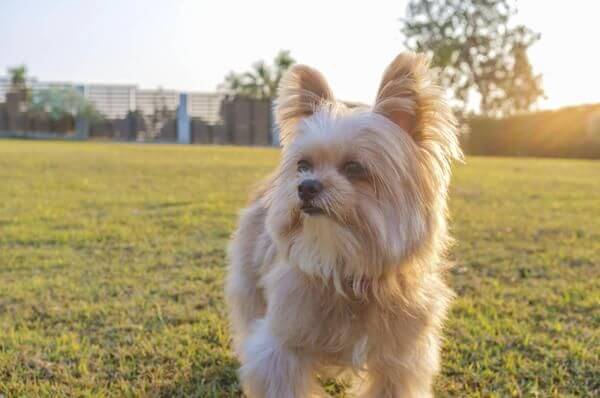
359,191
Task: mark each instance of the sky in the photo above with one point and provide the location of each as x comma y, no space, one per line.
190,45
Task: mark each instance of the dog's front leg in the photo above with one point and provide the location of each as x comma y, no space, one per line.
272,370
403,367
397,382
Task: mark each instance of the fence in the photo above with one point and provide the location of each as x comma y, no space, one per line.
150,116
130,114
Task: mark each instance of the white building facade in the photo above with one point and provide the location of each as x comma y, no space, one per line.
115,101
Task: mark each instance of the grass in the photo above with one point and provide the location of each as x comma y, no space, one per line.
112,263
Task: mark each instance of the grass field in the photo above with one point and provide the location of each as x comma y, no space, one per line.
112,263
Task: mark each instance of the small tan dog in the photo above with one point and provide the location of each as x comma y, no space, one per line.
337,263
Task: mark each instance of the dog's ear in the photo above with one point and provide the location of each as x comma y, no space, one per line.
401,93
301,92
408,97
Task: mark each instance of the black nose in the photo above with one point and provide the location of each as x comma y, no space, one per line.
308,189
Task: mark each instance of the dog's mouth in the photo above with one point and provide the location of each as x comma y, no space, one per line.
312,210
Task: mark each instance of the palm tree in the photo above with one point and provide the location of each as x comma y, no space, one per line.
18,82
262,81
18,78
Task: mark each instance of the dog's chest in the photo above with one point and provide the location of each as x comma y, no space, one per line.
340,328
344,339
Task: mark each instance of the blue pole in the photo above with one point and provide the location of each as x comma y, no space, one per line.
183,121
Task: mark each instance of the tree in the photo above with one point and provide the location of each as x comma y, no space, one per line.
478,52
262,81
18,82
18,77
60,102
161,115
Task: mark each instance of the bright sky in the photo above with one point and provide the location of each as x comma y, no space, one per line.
191,44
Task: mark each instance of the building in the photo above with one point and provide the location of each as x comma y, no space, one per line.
206,106
115,101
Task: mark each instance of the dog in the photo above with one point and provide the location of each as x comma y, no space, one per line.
337,265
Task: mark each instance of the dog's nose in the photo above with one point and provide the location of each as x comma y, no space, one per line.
308,189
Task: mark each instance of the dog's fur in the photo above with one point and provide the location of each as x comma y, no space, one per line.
360,286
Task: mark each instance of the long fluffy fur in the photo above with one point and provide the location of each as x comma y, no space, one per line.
360,287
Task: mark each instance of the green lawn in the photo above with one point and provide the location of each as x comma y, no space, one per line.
112,263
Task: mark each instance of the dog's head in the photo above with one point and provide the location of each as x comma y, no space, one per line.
361,190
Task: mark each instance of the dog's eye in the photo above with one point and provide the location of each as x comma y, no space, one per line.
354,170
304,166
